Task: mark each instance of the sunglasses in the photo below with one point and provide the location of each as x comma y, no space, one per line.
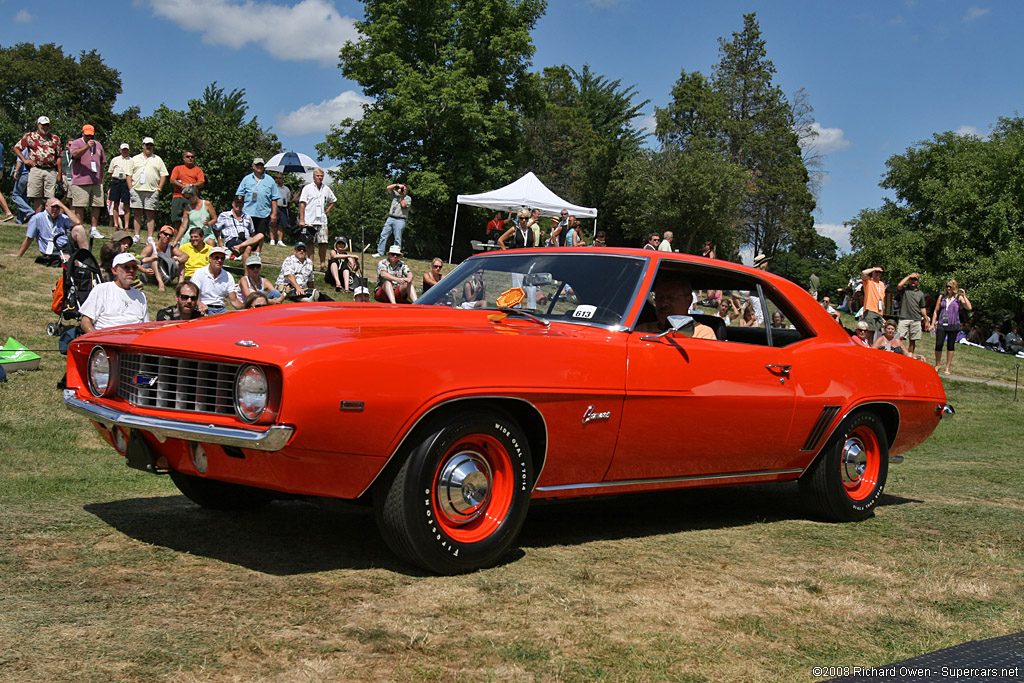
216,257
190,156
167,234
129,267
256,266
436,266
188,297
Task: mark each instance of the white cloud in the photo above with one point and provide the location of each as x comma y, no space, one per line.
839,233
647,124
309,30
964,131
23,17
828,139
975,13
318,118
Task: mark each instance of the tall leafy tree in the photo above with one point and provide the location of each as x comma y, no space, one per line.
583,128
958,212
43,81
215,128
739,130
449,84
761,136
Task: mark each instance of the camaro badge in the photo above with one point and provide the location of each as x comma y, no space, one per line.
143,381
589,415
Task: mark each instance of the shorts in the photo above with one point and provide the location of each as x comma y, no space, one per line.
41,182
178,205
233,242
145,200
874,320
283,219
119,193
87,195
382,297
320,236
261,225
909,329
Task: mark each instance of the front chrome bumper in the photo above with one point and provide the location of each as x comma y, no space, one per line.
272,438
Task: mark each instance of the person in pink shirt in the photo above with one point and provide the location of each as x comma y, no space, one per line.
88,162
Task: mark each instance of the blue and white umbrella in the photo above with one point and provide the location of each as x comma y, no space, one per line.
291,162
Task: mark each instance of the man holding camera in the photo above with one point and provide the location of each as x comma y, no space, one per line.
398,214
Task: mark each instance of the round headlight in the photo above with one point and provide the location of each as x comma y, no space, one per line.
100,372
251,393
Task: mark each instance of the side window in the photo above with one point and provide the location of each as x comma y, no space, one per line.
784,331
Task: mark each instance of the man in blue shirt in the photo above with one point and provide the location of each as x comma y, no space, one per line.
261,197
57,231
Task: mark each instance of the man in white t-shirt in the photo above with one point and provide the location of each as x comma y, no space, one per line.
115,303
315,202
216,284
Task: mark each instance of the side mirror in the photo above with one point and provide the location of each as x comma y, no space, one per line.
682,324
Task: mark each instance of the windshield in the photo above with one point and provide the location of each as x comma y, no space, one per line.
591,289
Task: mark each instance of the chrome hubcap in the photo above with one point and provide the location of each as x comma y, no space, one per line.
855,461
464,487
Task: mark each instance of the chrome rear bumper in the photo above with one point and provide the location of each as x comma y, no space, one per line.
271,438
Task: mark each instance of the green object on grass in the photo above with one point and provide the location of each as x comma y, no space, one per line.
15,356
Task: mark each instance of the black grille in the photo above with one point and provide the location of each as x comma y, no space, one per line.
194,386
828,413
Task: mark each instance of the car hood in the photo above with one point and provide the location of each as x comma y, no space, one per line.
274,334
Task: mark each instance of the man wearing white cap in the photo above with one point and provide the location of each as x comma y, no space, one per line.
39,150
261,197
147,175
216,284
119,197
115,303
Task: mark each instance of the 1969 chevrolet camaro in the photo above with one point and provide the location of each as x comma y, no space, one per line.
523,375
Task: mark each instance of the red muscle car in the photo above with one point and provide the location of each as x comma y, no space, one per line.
523,375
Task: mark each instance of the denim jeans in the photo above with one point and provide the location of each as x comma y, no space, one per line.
392,224
21,199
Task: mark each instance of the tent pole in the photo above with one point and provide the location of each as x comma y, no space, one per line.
451,248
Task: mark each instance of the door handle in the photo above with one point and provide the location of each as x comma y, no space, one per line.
778,369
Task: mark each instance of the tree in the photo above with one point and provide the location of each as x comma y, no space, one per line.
958,212
449,84
215,128
42,81
577,136
760,130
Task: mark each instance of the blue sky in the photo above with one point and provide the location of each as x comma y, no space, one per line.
881,76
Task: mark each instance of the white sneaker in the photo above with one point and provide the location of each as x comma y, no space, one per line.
278,243
150,240
378,256
94,232
135,239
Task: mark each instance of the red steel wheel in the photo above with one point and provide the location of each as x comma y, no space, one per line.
457,497
846,480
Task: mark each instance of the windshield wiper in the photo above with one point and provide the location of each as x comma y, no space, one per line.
524,314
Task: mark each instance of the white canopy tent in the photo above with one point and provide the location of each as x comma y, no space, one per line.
528,192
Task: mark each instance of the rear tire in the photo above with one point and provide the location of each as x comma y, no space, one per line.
846,481
220,495
458,499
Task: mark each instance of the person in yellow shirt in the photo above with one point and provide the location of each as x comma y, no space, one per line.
198,252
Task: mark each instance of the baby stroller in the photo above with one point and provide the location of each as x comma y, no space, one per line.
80,274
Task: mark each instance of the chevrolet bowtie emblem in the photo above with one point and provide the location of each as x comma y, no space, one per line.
144,381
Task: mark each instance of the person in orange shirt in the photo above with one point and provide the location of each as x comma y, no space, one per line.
874,300
181,175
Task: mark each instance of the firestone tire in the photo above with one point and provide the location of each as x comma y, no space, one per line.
220,495
846,482
459,498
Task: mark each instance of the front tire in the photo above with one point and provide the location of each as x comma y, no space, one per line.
458,500
846,482
220,495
